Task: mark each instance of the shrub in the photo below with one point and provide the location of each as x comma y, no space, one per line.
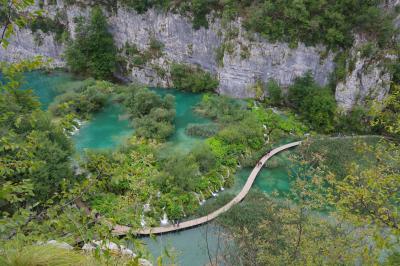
192,79
220,108
275,92
81,98
152,115
319,109
317,105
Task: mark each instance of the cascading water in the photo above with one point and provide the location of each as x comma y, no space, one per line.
164,220
142,221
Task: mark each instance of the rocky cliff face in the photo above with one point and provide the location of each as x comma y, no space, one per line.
244,60
368,80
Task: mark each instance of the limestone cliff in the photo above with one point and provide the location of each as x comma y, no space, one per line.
236,57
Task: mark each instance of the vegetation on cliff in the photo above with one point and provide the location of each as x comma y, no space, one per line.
312,21
92,52
194,79
343,206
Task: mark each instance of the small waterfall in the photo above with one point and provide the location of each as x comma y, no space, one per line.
146,207
203,198
74,130
213,193
164,220
142,221
198,198
222,183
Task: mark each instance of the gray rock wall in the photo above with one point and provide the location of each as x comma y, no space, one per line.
183,44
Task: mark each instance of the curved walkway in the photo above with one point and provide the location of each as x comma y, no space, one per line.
123,230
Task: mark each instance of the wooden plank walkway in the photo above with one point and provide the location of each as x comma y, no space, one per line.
123,230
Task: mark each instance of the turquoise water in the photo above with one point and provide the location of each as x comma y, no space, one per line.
189,246
274,177
185,101
44,85
106,130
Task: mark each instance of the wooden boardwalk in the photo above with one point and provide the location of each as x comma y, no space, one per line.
123,230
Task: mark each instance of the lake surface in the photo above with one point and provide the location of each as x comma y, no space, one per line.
185,101
189,246
45,85
107,130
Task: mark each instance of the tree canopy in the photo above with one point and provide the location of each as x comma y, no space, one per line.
93,51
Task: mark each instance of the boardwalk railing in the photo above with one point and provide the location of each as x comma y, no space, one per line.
123,230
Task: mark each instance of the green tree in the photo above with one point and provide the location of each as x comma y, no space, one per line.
370,195
386,114
275,92
33,148
316,104
319,109
93,51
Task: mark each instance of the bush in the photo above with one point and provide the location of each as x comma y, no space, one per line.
319,109
317,105
202,130
220,108
152,115
355,121
275,92
192,79
81,98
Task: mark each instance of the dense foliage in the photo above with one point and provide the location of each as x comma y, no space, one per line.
93,51
153,116
317,105
270,231
81,98
386,114
192,79
35,153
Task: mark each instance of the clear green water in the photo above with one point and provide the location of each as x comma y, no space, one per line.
185,101
45,85
189,246
272,178
105,130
